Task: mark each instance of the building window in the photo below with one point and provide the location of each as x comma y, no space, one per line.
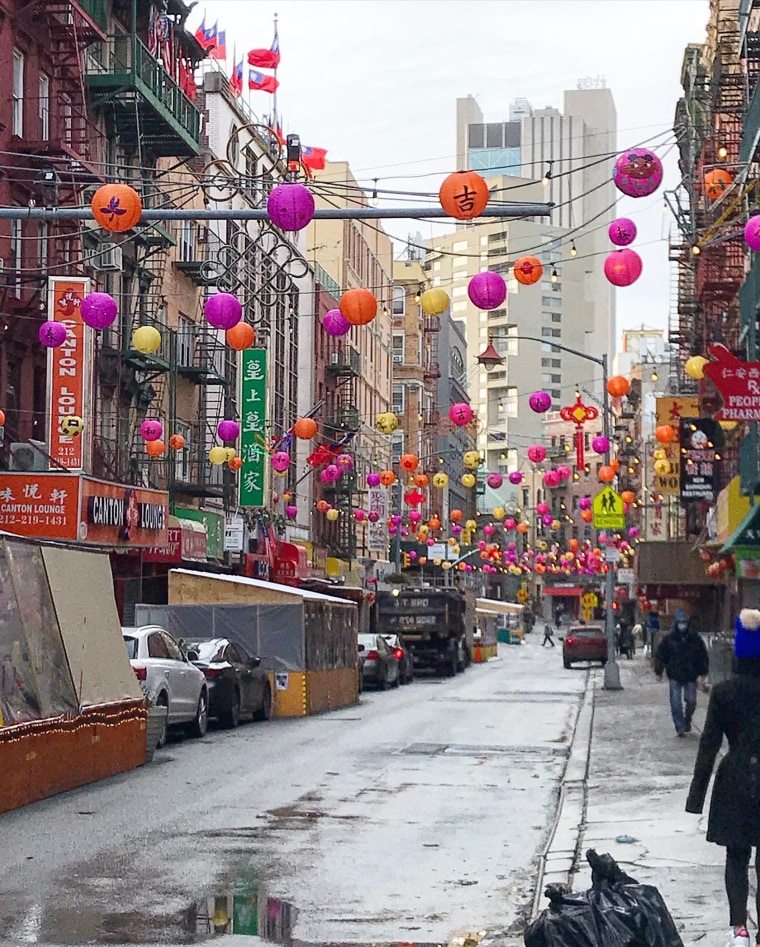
397,446
399,399
182,457
399,300
44,107
399,341
18,93
185,340
549,333
187,241
459,245
510,403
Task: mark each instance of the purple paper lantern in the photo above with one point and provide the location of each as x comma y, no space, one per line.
487,290
622,231
540,401
413,554
334,323
456,529
223,311
345,462
584,503
565,473
623,267
547,519
290,206
373,479
494,480
752,233
515,477
600,444
396,519
52,334
551,478
330,473
228,430
291,511
280,461
98,310
637,172
461,414
403,532
536,453
151,429
373,516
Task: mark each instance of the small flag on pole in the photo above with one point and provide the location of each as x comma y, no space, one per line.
219,51
257,80
266,58
236,80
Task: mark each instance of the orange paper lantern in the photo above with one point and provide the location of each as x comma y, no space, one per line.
607,473
618,386
587,516
434,522
665,433
409,462
522,528
628,496
464,195
176,442
323,506
116,207
421,480
2,418
358,306
242,336
154,448
387,478
235,463
615,464
528,270
305,428
456,516
716,182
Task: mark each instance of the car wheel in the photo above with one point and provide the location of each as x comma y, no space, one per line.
265,711
567,664
232,717
163,701
603,662
200,724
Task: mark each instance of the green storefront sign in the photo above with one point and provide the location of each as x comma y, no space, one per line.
253,412
214,523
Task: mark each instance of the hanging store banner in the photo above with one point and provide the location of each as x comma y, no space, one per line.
40,505
698,461
377,533
738,384
253,411
69,374
670,411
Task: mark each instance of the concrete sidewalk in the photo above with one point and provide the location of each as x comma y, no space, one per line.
628,775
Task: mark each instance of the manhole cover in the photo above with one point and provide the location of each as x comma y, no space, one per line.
425,749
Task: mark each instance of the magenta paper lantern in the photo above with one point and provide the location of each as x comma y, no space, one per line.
98,310
551,478
373,479
403,533
396,519
456,529
360,516
565,473
623,267
584,503
290,206
52,334
392,530
415,516
151,429
461,414
373,516
345,462
602,539
509,523
600,444
330,474
430,542
487,290
223,311
633,532
547,520
495,480
515,477
482,544
540,401
752,233
542,508
536,453
228,430
488,529
622,231
291,511
334,323
413,554
280,461
637,172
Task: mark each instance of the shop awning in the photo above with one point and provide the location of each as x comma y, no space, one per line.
490,606
747,533
563,591
193,540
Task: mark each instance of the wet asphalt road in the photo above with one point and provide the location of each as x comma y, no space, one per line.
415,815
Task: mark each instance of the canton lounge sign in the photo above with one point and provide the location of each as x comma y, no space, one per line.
738,384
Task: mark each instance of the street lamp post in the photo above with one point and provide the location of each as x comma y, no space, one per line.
489,359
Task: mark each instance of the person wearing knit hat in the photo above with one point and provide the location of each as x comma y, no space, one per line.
734,820
682,655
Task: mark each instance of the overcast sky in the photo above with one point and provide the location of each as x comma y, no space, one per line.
375,82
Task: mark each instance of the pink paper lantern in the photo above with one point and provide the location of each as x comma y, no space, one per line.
542,508
430,542
151,429
565,472
373,516
547,520
228,430
488,529
623,267
98,310
360,516
509,523
637,172
584,503
461,414
600,444
602,539
413,554
223,311
52,334
334,323
540,401
291,511
752,233
280,461
456,529
373,479
330,474
622,231
396,519
487,290
515,477
415,516
482,545
290,206
345,462
403,533
552,478
494,480
633,532
536,453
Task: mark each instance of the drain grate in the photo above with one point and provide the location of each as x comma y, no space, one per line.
458,749
425,749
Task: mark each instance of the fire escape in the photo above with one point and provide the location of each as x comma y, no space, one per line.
431,326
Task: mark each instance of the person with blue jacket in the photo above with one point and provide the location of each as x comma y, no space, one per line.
682,655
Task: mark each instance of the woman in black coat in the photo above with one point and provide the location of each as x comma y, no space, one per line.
734,820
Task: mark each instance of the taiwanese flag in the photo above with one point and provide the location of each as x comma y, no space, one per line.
236,80
266,58
257,80
314,158
206,37
278,132
220,50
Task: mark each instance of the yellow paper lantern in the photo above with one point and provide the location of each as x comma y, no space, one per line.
660,454
729,425
146,339
662,467
72,425
695,366
440,480
436,562
435,301
471,459
424,529
452,541
386,423
469,480
446,565
456,549
499,512
556,524
471,525
218,455
332,514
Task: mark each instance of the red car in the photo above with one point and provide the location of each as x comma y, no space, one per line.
584,643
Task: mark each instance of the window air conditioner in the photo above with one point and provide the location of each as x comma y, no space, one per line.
109,259
335,358
28,456
398,359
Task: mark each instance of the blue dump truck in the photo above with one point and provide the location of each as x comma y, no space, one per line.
432,623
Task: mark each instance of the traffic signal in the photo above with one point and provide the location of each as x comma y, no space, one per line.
616,606
406,560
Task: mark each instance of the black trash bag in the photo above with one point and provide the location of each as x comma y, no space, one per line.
616,911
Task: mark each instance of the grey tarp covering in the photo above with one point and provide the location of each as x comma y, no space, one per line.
82,586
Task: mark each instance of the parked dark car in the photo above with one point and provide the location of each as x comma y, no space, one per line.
381,666
238,686
404,657
584,643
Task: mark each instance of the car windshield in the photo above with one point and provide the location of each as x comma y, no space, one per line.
131,646
587,633
207,650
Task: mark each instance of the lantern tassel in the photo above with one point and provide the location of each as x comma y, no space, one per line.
580,456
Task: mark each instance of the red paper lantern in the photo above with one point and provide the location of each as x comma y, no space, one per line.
409,462
387,478
464,195
176,442
628,496
716,182
305,428
623,267
154,448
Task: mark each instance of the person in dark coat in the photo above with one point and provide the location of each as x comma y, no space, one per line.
682,654
734,820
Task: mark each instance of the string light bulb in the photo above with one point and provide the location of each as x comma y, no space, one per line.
573,249
722,152
696,250
547,176
375,199
555,275
654,376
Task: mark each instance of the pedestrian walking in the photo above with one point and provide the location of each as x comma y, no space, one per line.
548,635
627,642
682,655
734,820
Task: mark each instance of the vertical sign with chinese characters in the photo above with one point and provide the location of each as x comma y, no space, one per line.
377,532
69,374
670,410
253,409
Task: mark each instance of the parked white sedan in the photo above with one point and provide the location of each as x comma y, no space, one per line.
167,678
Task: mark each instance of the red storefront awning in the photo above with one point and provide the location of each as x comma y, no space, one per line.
564,591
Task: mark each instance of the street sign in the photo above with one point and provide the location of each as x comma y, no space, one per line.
608,510
612,554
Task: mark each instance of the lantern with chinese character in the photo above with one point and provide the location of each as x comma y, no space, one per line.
540,402
716,182
386,423
469,480
516,477
622,231
334,323
695,366
387,478
421,480
487,290
151,429
471,459
637,172
434,301
623,267
223,310
551,478
345,463
494,480
329,474
752,233
323,506
116,207
662,467
228,430
290,206
305,428
280,461
374,517
358,306
434,522
536,453
72,425
409,462
542,508
464,195
52,334
155,448
98,310
440,480
565,472
528,270
240,337
146,339
460,413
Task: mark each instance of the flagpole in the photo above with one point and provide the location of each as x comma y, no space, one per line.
274,97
